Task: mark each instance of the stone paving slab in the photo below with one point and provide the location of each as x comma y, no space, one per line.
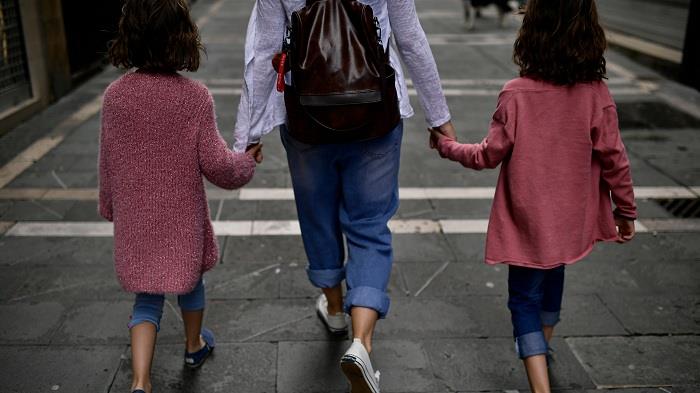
63,369
105,323
656,314
37,211
32,323
68,283
491,364
634,361
405,367
52,251
231,368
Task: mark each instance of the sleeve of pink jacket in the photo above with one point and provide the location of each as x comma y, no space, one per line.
219,164
493,149
608,147
105,178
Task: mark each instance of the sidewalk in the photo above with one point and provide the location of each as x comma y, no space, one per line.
631,318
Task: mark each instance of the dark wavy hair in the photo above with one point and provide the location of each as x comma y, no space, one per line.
561,42
156,35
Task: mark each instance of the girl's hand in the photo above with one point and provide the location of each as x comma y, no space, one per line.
435,137
625,229
448,130
255,151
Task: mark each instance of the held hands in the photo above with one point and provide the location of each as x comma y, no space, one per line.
625,229
255,151
446,130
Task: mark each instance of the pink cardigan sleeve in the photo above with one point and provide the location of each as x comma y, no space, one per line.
105,176
219,164
493,149
609,149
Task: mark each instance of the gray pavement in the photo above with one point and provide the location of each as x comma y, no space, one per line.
631,319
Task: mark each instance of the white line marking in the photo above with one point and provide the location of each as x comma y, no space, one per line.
273,328
233,228
5,225
276,228
287,194
414,226
174,310
430,280
672,225
47,209
690,108
245,276
646,47
451,92
27,158
58,179
266,194
44,145
662,192
204,19
219,210
464,226
291,227
620,70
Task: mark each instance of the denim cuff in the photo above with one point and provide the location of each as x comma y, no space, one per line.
550,318
368,297
531,344
329,278
139,321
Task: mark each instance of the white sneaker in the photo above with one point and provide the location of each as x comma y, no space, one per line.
336,324
358,369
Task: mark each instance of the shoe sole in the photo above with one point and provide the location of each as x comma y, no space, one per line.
331,330
357,375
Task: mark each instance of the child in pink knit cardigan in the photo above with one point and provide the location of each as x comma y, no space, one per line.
159,139
555,134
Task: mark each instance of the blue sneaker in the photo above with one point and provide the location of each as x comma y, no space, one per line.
196,359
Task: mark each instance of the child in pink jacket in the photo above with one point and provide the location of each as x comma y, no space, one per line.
555,134
159,139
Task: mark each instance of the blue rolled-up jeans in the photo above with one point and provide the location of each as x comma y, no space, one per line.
348,190
534,300
149,307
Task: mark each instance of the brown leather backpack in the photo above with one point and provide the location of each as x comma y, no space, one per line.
343,88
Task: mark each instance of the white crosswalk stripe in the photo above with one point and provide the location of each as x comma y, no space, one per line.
291,227
287,194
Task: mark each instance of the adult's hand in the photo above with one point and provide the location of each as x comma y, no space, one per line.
448,130
255,151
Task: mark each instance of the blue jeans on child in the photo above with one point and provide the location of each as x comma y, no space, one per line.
149,307
534,300
353,190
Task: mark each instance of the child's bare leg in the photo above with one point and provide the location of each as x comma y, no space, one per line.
335,299
192,309
548,332
143,343
537,376
193,329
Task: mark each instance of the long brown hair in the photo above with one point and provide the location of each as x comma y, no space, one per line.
156,35
561,42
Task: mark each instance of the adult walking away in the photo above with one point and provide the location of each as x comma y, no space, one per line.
347,189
